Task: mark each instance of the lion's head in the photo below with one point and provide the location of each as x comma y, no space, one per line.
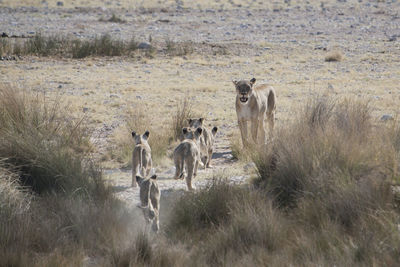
192,133
244,89
140,138
195,123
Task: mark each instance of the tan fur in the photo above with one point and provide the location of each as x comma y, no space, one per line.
150,200
207,139
253,104
141,156
187,155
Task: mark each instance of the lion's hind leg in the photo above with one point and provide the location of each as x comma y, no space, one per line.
271,123
261,130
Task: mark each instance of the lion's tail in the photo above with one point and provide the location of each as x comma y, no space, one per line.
182,167
271,101
141,162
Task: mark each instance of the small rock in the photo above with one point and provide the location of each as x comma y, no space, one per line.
387,117
59,86
60,3
114,96
330,86
4,35
144,45
85,109
139,97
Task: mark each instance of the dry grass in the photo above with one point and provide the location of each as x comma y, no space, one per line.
178,49
64,211
334,56
180,118
326,201
138,120
114,18
45,146
40,45
332,141
104,45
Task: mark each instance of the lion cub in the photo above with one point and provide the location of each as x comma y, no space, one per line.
206,141
150,200
254,103
141,156
187,154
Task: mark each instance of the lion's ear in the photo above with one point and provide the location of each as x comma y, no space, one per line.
139,180
214,130
199,130
133,134
189,121
154,177
235,82
201,120
146,134
253,81
184,130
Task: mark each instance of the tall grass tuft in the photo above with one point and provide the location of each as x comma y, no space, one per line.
49,150
334,56
180,118
139,121
334,151
54,205
100,46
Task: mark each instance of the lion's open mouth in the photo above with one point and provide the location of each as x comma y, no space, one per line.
243,99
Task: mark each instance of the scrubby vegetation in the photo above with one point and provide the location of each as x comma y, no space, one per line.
40,45
334,56
54,205
104,45
325,195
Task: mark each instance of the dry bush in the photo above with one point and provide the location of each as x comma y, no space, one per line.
146,250
180,118
114,18
100,46
40,45
14,220
50,150
240,152
73,212
334,56
139,121
324,197
45,45
178,49
331,143
201,210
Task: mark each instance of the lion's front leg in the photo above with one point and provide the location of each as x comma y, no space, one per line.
243,131
254,129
